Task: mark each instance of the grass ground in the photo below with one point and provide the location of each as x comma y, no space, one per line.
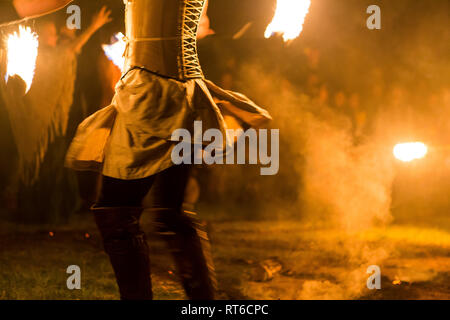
315,263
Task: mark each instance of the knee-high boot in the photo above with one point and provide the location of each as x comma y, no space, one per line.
127,248
190,248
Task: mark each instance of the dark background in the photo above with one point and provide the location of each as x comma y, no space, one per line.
410,51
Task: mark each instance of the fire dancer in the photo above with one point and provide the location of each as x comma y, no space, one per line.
129,142
39,121
12,10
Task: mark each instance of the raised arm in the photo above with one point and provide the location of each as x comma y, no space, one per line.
30,8
98,21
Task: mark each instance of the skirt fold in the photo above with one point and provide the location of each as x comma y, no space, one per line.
132,138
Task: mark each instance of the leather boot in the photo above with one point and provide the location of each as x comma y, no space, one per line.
189,245
127,248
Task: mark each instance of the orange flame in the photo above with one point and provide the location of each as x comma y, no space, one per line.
22,54
115,51
408,152
289,18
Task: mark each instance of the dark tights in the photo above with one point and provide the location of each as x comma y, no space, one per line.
117,214
167,187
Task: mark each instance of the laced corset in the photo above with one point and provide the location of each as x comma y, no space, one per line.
161,37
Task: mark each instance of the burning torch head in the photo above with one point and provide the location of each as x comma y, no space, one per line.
410,151
288,19
115,51
22,54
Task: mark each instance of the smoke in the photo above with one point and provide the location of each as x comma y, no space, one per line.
352,184
339,179
342,185
346,182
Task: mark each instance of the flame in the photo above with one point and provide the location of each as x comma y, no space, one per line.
408,152
288,19
22,54
115,51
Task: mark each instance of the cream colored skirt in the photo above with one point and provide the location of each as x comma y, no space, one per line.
131,138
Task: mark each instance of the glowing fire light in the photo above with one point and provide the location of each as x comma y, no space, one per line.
22,54
288,19
115,51
408,152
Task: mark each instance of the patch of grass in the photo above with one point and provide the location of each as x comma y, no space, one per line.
316,263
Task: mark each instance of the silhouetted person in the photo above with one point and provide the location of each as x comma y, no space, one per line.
163,89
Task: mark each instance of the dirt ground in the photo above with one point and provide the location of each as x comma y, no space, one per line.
309,262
